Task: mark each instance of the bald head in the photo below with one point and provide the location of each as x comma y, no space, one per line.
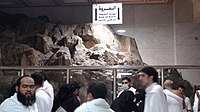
168,84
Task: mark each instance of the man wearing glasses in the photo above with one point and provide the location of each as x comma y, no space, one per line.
126,85
24,98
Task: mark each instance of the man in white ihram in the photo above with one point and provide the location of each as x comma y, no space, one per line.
43,99
155,100
96,94
24,98
174,101
126,85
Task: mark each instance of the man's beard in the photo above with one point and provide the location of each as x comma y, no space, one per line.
26,100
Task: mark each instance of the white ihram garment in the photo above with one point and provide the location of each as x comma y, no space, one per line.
155,100
43,100
13,105
196,100
174,101
95,105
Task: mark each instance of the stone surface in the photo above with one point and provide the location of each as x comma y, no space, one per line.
26,41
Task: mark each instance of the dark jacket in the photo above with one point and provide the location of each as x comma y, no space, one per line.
71,104
124,103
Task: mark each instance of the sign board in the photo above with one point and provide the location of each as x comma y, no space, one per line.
110,13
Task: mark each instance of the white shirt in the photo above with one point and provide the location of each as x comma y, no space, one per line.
155,100
131,89
95,105
13,105
174,102
196,100
43,100
48,88
187,104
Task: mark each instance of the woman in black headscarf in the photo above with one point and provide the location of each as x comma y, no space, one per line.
66,99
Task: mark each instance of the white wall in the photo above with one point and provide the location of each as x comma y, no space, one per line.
152,27
187,41
187,34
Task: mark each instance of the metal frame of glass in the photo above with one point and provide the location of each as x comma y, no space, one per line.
114,68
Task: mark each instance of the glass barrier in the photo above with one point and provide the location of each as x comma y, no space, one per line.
110,75
86,76
7,79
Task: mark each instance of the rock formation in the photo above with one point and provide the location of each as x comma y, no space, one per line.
26,41
42,43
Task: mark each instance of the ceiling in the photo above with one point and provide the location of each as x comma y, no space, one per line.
42,3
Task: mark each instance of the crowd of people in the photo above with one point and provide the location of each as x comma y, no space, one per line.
35,94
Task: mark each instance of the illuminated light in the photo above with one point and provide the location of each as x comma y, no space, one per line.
121,31
119,75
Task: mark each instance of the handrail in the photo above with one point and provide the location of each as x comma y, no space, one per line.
97,67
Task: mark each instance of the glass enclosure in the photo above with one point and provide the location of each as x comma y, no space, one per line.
110,75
